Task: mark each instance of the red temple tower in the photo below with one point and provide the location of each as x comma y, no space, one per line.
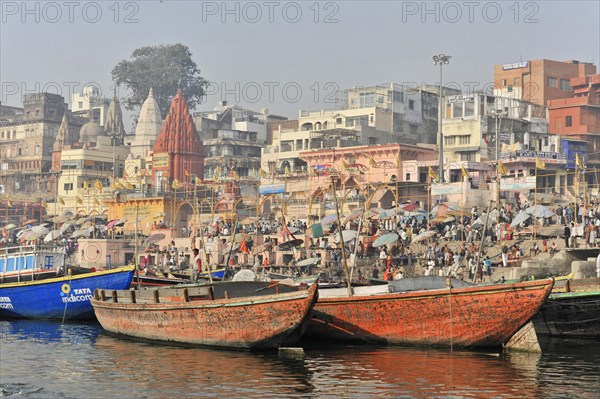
178,148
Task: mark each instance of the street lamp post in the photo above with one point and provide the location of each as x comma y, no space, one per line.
440,60
498,114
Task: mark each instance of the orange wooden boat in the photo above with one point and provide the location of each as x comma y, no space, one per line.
237,315
478,316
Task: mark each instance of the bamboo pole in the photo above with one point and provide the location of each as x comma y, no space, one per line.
344,261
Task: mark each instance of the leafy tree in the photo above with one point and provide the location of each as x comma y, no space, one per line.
161,68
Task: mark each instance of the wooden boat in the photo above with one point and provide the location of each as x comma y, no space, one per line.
146,279
239,315
574,312
30,262
63,297
478,316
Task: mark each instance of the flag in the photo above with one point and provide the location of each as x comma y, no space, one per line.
345,165
43,204
85,185
218,170
286,170
235,175
128,186
96,202
432,174
502,170
539,164
579,161
176,184
98,185
244,247
187,173
262,173
61,201
215,178
79,200
8,204
197,181
125,174
464,172
313,172
372,162
118,185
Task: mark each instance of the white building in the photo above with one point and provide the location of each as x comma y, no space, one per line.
90,100
147,129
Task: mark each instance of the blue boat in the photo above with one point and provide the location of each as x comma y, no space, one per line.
218,274
66,297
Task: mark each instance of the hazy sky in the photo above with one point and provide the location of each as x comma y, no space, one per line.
286,55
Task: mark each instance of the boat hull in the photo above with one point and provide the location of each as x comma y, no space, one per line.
258,322
570,315
466,317
66,297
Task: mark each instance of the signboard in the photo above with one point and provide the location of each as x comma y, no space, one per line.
572,147
516,65
531,154
160,160
523,183
266,189
460,99
445,189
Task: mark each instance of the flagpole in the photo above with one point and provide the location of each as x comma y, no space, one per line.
535,201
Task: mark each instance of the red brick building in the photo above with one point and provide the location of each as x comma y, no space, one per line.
579,117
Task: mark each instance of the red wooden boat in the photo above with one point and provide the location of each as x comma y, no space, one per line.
238,315
478,316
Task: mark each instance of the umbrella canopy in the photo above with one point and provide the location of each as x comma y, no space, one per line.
443,219
240,237
386,214
30,221
111,224
32,236
285,246
481,220
9,226
408,207
40,229
348,235
315,231
81,233
423,236
308,262
329,219
53,235
24,233
248,220
385,239
353,215
261,248
155,238
65,227
540,211
82,220
520,218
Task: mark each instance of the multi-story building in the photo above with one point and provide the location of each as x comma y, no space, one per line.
231,152
26,142
472,123
578,117
538,81
90,101
234,117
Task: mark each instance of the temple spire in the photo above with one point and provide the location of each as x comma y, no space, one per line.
114,118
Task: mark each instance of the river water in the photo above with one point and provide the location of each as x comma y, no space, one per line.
46,360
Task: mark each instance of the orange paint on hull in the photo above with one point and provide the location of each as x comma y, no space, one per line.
260,322
484,316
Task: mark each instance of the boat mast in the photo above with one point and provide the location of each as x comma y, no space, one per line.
344,261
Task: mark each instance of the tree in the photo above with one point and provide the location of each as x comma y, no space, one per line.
161,68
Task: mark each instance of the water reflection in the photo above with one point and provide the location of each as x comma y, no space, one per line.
47,360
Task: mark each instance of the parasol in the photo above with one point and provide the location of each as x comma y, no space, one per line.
315,231
248,220
540,211
348,235
81,233
261,248
111,224
30,221
520,218
155,238
385,239
285,246
240,237
423,236
65,227
9,226
43,230
329,219
53,235
353,215
308,262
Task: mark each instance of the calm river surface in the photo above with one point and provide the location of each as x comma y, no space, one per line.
47,360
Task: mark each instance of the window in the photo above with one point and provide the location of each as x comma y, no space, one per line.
413,129
565,85
467,156
503,82
27,151
568,121
80,104
407,177
14,134
19,152
411,104
68,186
338,120
372,140
464,140
516,81
37,150
450,140
552,82
546,141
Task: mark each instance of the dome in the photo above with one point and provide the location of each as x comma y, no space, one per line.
90,131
